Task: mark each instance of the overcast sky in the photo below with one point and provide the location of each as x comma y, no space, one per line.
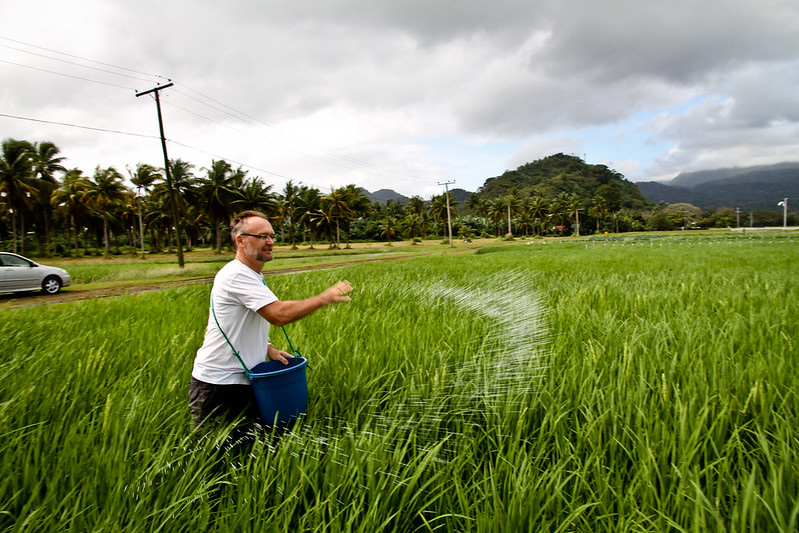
405,94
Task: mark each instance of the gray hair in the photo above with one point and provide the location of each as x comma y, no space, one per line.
238,222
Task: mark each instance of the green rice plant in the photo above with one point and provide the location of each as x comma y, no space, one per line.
596,385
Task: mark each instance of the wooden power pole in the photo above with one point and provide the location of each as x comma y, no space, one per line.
172,196
446,185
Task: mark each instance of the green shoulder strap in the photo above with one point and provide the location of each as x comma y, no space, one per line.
249,374
246,370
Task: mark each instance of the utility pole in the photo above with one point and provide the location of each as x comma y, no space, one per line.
172,198
446,185
141,226
737,217
784,205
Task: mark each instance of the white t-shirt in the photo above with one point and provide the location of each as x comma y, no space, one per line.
237,295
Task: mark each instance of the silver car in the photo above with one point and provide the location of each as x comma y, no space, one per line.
18,273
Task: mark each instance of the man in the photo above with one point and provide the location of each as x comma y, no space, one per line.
244,307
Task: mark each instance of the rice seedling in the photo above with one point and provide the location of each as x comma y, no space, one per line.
601,385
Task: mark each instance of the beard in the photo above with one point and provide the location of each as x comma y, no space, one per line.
259,254
263,256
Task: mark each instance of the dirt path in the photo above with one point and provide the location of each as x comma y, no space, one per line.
71,294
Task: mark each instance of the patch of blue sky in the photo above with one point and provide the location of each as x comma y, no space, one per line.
632,145
467,161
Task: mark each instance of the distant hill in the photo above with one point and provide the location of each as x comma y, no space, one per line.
561,173
460,195
383,195
754,188
692,179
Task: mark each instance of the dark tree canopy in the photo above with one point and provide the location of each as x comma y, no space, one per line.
561,173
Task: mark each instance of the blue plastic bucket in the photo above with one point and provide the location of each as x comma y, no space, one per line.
281,391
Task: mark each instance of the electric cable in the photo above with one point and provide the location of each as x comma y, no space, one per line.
220,107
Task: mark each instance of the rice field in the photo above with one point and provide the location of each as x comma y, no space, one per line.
639,384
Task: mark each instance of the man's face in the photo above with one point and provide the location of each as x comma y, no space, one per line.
254,247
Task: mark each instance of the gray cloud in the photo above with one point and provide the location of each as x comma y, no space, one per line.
365,78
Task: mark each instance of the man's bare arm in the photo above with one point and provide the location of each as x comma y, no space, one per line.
281,312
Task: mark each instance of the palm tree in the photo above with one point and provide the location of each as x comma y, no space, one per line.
338,207
360,205
438,208
536,207
143,177
289,208
476,205
495,209
157,217
193,221
414,225
106,190
254,194
599,210
68,201
573,204
217,192
46,162
322,220
126,216
16,183
309,203
513,204
184,185
388,227
561,207
415,206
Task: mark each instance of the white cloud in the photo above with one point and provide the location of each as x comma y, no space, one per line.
401,94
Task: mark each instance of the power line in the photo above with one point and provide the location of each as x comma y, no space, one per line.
241,164
226,109
241,114
253,121
76,64
78,126
79,57
131,134
282,146
67,75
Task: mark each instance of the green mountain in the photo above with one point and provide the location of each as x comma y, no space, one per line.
768,173
383,195
753,188
561,173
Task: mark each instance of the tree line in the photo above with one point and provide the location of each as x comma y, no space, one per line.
60,210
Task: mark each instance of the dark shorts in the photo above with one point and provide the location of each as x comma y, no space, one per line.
225,402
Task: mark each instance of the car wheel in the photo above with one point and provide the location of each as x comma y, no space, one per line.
51,285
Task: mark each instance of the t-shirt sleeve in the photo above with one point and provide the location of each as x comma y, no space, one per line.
252,293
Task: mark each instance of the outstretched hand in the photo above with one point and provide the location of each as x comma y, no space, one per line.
281,313
338,292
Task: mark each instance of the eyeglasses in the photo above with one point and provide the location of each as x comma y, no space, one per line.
262,236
